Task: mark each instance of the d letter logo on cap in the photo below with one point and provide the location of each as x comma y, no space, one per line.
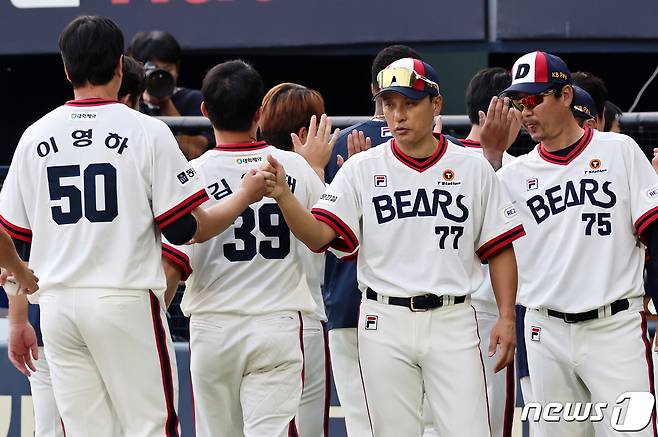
522,71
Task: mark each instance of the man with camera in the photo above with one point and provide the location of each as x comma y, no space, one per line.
161,55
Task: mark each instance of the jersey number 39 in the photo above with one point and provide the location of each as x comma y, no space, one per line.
268,227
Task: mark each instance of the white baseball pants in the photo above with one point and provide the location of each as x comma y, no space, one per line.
404,354
500,386
246,373
593,361
313,417
112,362
47,421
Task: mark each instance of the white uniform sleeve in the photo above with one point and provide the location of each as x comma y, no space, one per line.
340,208
179,255
13,212
643,185
500,224
176,187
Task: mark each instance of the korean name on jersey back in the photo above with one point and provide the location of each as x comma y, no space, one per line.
558,198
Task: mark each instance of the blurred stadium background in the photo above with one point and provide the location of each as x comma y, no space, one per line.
328,45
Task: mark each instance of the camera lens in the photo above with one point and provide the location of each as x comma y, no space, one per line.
159,83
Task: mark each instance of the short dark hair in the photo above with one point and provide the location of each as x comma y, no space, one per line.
595,86
91,47
612,113
232,92
482,87
155,45
387,56
133,81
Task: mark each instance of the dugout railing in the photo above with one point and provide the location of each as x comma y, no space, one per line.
642,126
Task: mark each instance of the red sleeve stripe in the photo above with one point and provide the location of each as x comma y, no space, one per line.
179,258
187,205
495,245
337,225
17,232
645,220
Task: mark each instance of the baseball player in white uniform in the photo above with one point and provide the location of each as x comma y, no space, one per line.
419,196
247,290
102,179
586,199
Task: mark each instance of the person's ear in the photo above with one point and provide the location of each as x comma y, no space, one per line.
258,115
118,70
204,110
66,73
302,134
567,96
437,104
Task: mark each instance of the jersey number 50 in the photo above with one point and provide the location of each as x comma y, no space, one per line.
73,195
267,227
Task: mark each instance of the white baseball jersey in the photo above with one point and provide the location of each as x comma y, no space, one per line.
459,211
255,266
484,298
583,214
88,181
313,268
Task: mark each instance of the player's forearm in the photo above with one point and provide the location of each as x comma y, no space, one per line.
315,234
504,280
18,309
173,275
218,218
9,258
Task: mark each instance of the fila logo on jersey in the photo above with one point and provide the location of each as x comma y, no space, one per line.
371,322
380,180
405,204
532,184
535,333
558,198
185,176
385,132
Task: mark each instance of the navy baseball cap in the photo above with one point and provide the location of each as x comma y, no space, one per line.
583,104
536,72
410,77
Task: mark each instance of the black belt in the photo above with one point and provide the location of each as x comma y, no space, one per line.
615,307
423,302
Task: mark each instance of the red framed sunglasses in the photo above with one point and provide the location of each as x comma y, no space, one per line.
530,101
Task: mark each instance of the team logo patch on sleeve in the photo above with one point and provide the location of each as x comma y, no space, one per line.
186,176
371,322
535,333
380,180
532,184
652,192
509,213
330,197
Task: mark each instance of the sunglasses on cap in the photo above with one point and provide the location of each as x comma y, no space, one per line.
402,77
530,101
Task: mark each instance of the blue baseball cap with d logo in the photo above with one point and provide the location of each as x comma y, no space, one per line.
536,72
